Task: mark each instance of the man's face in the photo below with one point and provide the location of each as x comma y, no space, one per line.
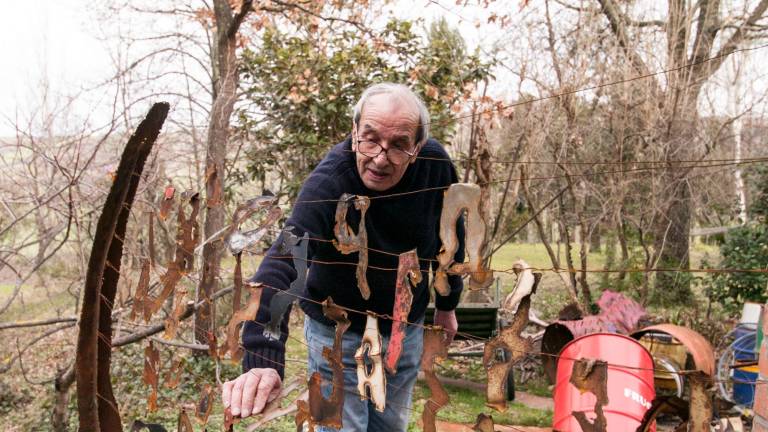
391,122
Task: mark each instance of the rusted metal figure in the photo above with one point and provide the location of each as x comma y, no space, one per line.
278,306
232,344
435,349
408,274
510,338
183,424
347,242
319,410
591,376
204,404
150,374
460,197
484,423
371,385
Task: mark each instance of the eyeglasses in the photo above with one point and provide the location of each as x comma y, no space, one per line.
395,155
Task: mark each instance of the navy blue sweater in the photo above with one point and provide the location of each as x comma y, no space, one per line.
395,224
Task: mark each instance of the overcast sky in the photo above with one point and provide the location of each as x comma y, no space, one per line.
55,41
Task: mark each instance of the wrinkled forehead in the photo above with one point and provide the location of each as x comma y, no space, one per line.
389,111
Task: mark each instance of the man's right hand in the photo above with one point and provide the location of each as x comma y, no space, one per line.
248,394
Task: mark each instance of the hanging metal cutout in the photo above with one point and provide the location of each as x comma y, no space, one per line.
408,274
435,348
460,197
347,242
510,338
297,247
374,381
232,344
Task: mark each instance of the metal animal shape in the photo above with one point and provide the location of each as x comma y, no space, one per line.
460,197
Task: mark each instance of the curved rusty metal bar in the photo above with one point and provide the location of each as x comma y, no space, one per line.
435,349
95,400
700,349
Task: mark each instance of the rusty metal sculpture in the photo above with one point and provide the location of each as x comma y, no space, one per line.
347,242
319,410
187,238
510,338
278,306
150,374
408,273
172,376
167,202
484,423
371,384
141,302
97,406
435,349
238,241
460,197
183,424
232,344
204,404
591,375
701,401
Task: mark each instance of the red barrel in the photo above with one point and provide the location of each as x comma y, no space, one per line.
629,383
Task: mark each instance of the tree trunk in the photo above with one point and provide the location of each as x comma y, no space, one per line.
225,82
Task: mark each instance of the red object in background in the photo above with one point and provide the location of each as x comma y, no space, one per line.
629,382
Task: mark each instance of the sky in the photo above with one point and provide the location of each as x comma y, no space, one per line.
56,42
46,41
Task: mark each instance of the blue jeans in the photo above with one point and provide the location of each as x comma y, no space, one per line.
361,415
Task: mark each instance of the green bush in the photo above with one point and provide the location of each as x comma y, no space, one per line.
744,248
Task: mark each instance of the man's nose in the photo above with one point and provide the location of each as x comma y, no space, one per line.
381,159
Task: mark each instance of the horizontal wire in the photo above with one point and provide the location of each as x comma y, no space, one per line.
554,177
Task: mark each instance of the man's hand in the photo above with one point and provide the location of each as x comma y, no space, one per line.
447,319
250,392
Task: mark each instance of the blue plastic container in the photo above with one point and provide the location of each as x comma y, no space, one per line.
744,345
744,385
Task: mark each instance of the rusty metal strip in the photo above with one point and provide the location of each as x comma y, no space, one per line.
279,303
184,424
371,384
140,297
484,423
237,292
204,404
150,374
213,347
347,242
700,348
322,411
167,202
460,197
435,349
701,401
509,338
95,399
187,238
408,274
590,375
172,376
151,245
232,344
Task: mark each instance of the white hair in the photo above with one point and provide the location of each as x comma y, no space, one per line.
422,132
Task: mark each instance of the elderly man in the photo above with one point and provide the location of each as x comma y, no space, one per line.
388,154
